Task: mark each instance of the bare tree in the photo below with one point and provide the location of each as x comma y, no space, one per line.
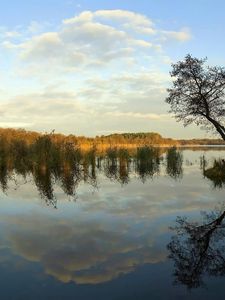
197,94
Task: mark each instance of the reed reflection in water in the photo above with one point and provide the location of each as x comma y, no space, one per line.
48,164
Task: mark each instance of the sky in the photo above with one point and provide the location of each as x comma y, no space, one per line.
95,67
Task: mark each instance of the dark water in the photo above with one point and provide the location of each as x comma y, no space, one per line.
107,234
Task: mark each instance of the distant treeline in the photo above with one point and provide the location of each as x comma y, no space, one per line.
201,142
128,140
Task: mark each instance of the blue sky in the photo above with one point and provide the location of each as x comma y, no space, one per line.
96,67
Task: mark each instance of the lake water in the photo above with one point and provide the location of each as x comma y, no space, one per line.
108,236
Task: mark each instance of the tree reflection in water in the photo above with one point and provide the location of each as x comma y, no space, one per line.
198,249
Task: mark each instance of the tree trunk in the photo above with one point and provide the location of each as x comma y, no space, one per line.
218,127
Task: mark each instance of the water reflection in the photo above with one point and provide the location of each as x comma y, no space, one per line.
148,161
43,181
3,176
216,173
174,164
85,252
68,168
198,249
116,236
117,165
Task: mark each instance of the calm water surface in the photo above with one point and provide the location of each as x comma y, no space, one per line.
110,237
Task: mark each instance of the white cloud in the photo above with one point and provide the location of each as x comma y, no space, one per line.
90,38
12,34
36,27
149,116
15,124
42,47
122,101
115,69
183,35
85,16
124,16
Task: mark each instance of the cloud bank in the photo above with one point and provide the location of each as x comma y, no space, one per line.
108,68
